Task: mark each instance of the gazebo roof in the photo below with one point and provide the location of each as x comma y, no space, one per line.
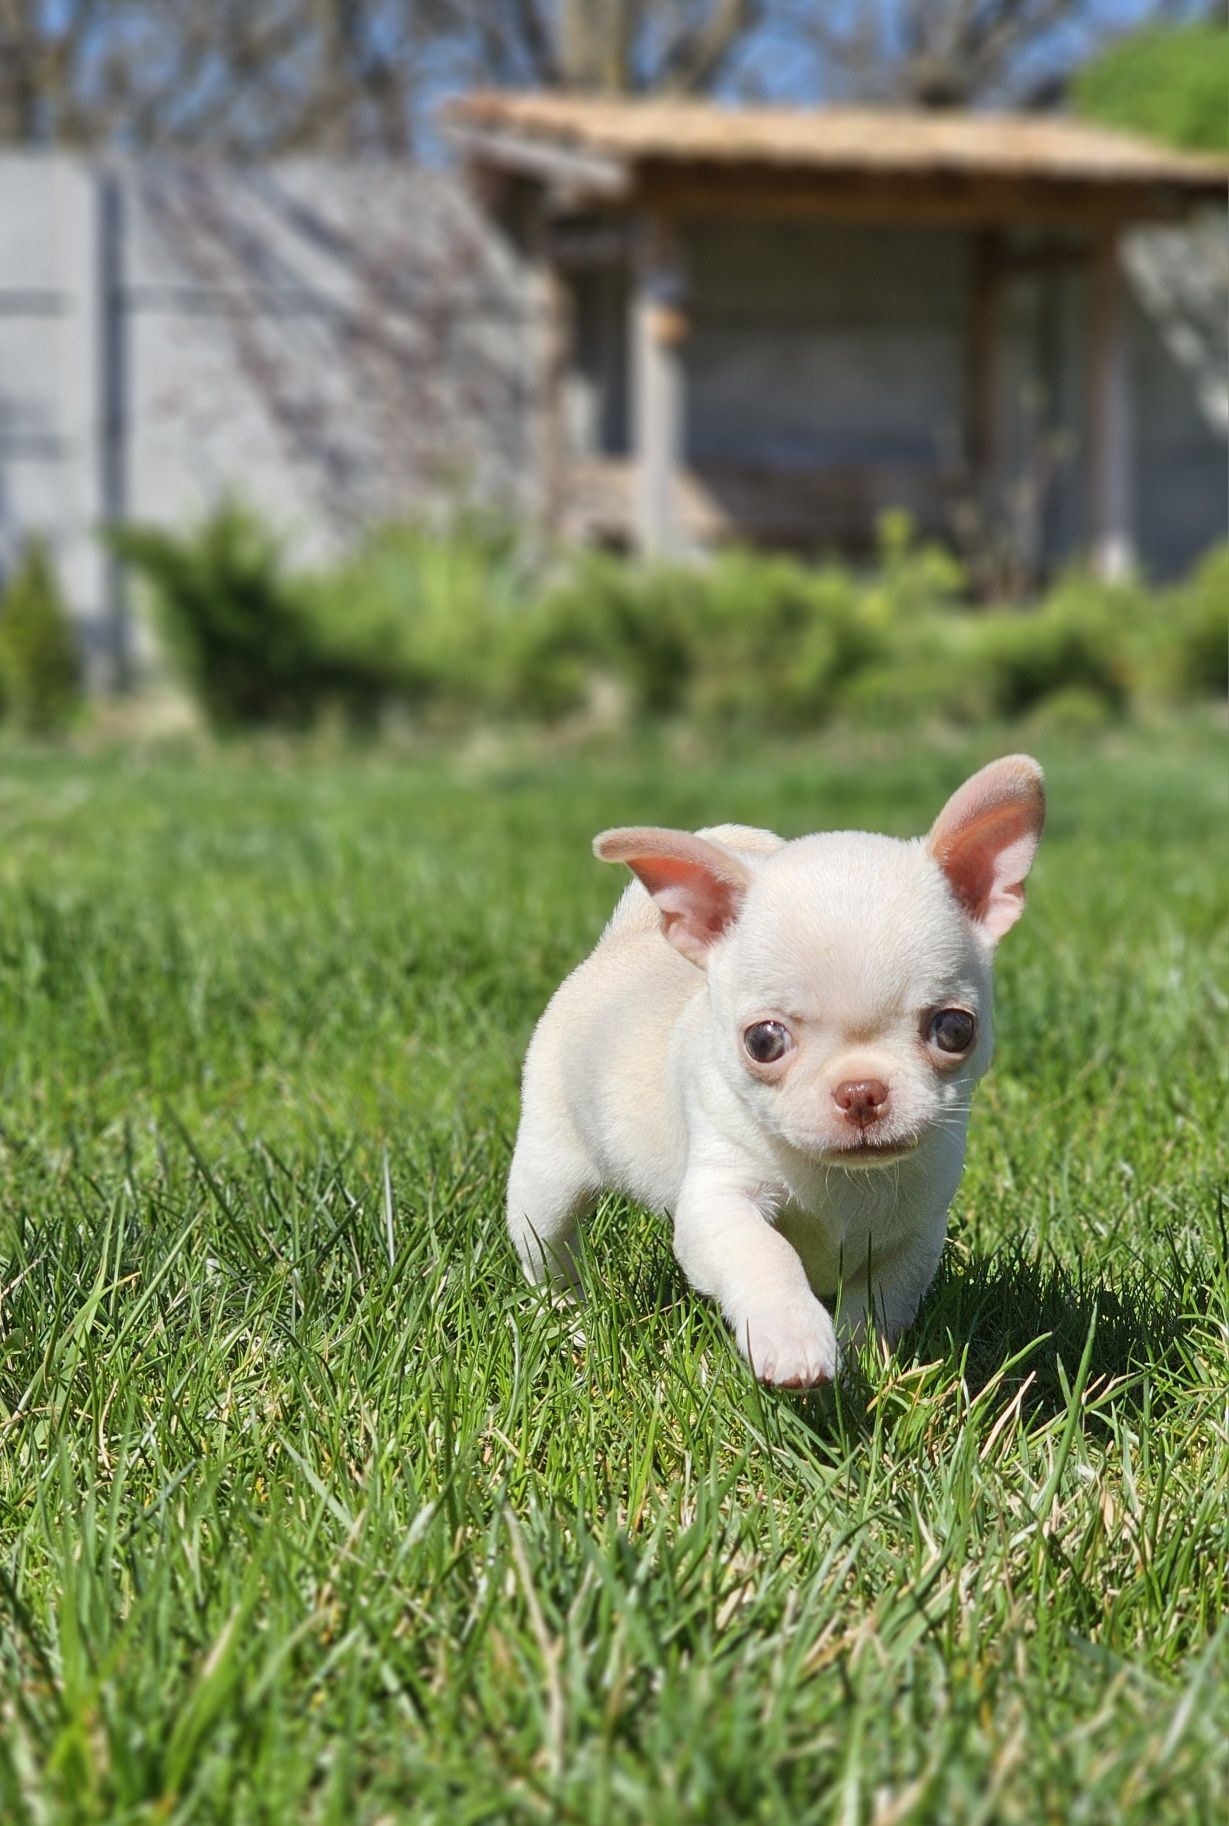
619,145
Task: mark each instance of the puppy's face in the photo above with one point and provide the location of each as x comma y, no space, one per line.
851,998
849,974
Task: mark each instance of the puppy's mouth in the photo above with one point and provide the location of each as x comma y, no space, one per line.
864,1151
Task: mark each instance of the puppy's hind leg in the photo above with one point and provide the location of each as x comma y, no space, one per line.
551,1186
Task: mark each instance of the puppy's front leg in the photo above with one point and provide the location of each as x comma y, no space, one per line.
893,1291
727,1248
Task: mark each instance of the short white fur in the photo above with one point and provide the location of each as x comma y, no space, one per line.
783,1197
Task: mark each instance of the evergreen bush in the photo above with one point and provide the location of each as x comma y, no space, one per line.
40,667
238,625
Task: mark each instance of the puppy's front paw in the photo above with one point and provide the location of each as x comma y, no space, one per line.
791,1346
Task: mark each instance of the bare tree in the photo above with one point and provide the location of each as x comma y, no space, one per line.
954,53
610,46
919,53
246,77
255,77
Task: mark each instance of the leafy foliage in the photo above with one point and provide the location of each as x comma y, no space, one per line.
40,667
429,618
237,623
1198,660
1170,83
465,628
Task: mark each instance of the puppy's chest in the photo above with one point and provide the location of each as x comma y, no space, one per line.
842,1223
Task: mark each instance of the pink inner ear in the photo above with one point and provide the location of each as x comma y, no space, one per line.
985,840
692,900
697,885
986,869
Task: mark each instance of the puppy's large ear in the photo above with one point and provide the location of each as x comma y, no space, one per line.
985,839
698,885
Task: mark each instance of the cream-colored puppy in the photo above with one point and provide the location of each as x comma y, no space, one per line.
777,1044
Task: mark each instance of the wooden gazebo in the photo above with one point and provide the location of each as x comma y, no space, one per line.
694,382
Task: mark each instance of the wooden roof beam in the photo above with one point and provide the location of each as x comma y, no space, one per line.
972,201
566,168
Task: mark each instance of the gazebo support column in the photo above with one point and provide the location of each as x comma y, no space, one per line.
1109,451
554,354
658,326
984,429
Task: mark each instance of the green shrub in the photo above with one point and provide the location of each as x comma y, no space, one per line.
914,579
1085,635
434,618
1073,710
1194,630
238,625
742,641
411,617
40,668
460,627
633,626
786,638
930,678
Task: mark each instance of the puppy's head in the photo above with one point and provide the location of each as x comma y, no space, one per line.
849,974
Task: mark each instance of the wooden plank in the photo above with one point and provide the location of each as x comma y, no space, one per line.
568,168
555,328
985,398
114,423
1047,260
955,200
656,384
593,241
805,508
1109,443
809,508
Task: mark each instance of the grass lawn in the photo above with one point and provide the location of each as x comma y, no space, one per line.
309,1513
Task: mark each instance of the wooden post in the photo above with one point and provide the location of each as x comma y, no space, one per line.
554,353
114,430
558,356
984,420
658,327
1109,454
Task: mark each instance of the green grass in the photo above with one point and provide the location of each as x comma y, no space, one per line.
309,1513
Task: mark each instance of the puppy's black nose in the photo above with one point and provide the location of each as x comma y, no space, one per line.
863,1100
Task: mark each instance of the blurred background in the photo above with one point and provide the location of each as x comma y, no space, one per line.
437,367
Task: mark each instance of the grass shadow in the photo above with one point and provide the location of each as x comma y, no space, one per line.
983,1311
1034,1315
991,1308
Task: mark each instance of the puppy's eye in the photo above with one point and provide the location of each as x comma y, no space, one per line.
952,1030
766,1041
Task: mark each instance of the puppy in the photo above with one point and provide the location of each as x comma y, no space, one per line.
777,1044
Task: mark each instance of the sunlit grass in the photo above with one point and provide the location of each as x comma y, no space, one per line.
309,1512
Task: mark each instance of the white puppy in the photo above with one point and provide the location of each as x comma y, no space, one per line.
777,1043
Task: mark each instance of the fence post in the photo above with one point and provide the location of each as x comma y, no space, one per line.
113,419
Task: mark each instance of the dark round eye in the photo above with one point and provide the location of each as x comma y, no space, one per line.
766,1041
952,1030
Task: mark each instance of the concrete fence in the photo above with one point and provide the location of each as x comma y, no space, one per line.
334,344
